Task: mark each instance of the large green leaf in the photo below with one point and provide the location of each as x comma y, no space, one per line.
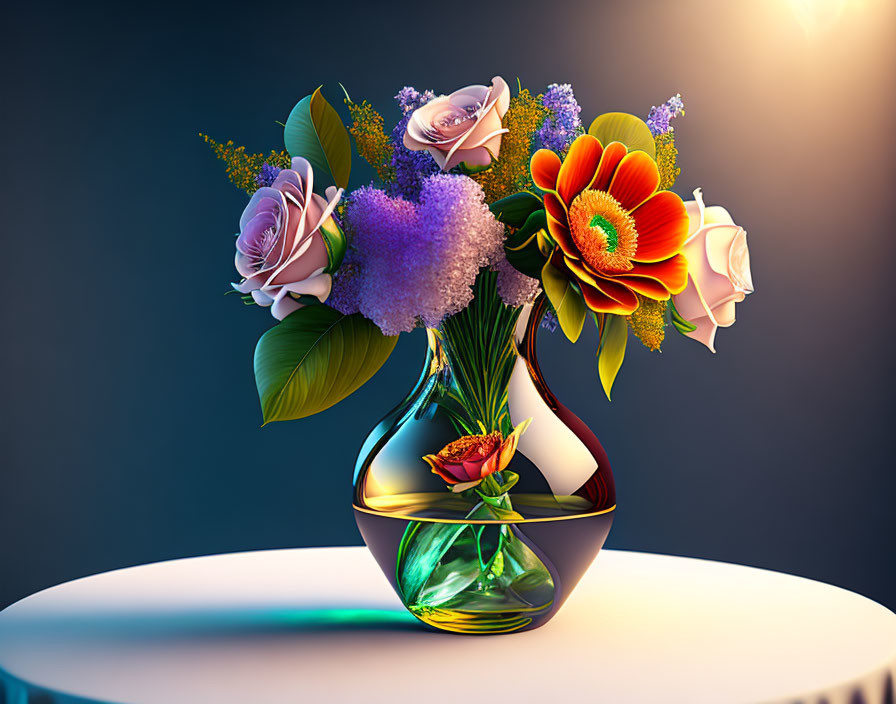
513,210
611,352
632,131
568,303
315,358
314,130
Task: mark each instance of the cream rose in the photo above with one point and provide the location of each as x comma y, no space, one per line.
281,249
718,270
462,127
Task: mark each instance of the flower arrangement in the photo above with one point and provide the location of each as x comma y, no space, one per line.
484,198
493,212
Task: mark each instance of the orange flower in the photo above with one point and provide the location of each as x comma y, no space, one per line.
616,235
470,459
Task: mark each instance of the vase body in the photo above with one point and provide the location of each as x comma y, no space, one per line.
470,562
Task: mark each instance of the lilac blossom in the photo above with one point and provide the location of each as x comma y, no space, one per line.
514,287
409,99
563,125
659,118
416,261
267,175
410,167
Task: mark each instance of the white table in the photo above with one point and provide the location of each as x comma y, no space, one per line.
322,625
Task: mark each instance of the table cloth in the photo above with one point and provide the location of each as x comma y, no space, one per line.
323,625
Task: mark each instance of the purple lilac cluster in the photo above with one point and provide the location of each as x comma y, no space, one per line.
416,261
409,99
659,117
563,125
411,168
514,287
267,175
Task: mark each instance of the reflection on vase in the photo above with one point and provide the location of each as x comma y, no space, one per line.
502,552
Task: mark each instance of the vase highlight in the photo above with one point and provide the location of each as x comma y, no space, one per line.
504,554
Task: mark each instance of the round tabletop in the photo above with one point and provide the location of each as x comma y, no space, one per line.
323,625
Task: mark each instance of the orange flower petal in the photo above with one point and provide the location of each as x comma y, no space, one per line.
598,301
635,180
545,166
560,234
579,167
646,286
609,160
557,224
662,225
555,208
581,271
671,273
587,278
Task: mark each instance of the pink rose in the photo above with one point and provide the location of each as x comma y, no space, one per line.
280,249
462,127
466,462
718,270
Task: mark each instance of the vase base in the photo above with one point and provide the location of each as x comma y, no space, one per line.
494,579
475,622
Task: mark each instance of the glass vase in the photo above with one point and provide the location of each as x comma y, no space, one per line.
504,554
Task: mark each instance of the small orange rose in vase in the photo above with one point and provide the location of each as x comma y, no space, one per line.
472,460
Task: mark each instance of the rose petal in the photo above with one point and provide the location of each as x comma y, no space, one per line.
501,90
690,304
705,332
739,264
317,284
717,215
725,314
479,156
485,128
283,305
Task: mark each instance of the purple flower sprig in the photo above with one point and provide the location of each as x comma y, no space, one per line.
267,175
659,118
410,168
563,125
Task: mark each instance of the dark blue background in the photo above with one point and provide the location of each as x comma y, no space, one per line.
130,421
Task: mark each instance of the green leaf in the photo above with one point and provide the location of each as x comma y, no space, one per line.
315,358
334,239
473,169
632,131
683,326
611,352
510,479
315,131
568,303
524,247
514,210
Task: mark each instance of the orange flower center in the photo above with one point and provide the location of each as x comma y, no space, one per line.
462,448
603,231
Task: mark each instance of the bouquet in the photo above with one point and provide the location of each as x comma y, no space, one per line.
483,199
